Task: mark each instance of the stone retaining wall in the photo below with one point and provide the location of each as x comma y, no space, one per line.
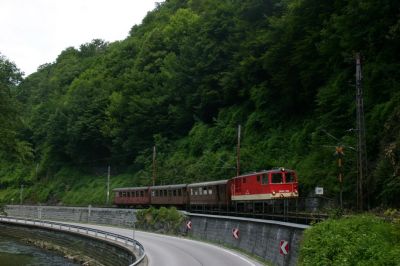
79,248
106,216
258,237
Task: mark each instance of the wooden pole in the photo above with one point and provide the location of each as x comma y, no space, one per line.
238,153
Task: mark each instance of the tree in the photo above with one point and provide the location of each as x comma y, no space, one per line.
11,145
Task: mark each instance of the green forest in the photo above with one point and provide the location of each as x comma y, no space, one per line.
185,78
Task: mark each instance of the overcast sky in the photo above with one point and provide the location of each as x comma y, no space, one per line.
34,32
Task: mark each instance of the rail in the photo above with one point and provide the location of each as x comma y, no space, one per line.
108,236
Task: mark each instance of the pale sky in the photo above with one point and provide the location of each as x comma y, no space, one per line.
34,32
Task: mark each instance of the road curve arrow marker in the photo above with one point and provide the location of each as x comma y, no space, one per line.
284,247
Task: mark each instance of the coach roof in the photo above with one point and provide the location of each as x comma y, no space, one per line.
211,183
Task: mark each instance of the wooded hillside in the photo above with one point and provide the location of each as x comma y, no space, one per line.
186,77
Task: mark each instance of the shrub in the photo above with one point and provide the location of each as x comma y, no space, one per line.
358,240
163,220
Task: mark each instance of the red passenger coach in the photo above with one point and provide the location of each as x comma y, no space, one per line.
214,193
265,185
131,196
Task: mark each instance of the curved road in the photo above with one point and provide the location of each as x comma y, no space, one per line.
167,250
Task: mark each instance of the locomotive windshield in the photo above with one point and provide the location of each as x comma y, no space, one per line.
290,178
276,178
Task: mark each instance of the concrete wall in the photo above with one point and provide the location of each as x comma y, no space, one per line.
259,237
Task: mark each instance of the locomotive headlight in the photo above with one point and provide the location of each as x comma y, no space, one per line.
295,191
273,192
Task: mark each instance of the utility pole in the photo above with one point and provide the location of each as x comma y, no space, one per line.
238,153
361,142
20,194
339,153
154,165
108,184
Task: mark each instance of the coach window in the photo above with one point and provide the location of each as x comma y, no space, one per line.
210,191
179,192
174,193
265,179
191,191
205,191
153,193
141,193
120,194
276,178
200,191
129,194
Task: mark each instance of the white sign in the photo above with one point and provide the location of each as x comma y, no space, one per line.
319,191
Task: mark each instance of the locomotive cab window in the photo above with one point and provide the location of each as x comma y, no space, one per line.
258,179
276,178
290,178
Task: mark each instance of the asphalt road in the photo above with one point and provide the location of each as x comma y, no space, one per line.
175,251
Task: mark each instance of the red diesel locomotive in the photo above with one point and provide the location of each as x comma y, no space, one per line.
254,187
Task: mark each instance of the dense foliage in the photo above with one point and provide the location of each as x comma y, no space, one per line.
362,240
187,76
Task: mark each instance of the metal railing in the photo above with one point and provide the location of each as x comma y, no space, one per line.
99,234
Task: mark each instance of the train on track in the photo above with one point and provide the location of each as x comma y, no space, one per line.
244,190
